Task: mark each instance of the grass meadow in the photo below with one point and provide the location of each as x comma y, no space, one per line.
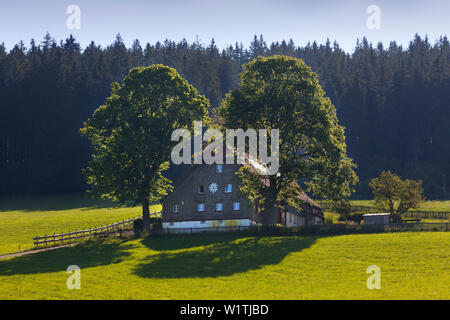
227,266
434,205
210,266
21,219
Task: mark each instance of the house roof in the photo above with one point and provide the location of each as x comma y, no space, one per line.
304,197
301,213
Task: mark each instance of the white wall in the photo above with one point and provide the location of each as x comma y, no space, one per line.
294,220
208,224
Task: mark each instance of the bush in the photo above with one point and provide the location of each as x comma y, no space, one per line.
138,226
155,223
356,217
344,208
328,221
353,217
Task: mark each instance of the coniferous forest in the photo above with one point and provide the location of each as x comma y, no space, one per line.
394,102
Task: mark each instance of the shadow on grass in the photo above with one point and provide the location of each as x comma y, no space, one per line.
56,203
53,203
89,254
215,255
186,241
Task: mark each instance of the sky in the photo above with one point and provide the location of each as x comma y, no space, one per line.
226,21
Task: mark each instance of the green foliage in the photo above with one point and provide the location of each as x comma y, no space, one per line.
434,205
395,195
281,92
155,223
48,87
130,134
355,217
343,207
138,227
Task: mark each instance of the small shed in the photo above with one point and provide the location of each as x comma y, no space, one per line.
376,218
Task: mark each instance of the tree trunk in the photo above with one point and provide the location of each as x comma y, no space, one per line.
146,214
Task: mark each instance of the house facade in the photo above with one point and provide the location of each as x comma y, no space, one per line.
208,196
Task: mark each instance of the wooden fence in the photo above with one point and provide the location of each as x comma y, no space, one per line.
428,214
409,214
117,227
318,229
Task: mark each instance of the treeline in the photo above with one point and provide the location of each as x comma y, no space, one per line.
394,102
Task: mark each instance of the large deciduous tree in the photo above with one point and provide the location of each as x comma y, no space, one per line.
281,92
395,195
131,135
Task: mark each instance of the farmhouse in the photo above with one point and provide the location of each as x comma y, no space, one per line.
206,196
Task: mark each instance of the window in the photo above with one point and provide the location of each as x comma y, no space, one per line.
236,206
228,188
176,208
219,206
201,188
200,207
219,168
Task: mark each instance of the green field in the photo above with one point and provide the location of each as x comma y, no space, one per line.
331,215
210,266
438,206
21,219
435,205
221,266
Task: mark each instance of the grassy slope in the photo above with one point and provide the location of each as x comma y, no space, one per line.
332,215
426,206
21,219
413,266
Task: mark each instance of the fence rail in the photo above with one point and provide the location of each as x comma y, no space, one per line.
322,229
409,214
86,233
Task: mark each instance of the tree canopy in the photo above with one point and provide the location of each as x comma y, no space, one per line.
131,134
281,92
394,195
392,100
